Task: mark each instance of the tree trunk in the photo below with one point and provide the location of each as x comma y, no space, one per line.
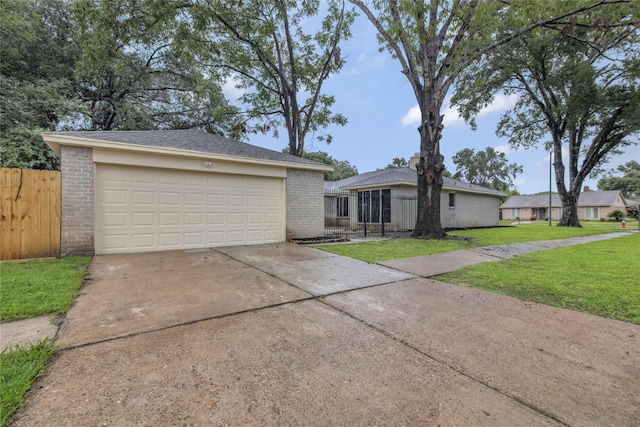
429,168
569,210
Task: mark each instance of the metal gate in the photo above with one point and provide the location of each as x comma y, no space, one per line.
368,213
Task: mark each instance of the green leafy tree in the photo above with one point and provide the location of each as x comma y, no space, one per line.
629,183
341,168
579,85
397,162
434,42
36,94
132,76
282,66
488,168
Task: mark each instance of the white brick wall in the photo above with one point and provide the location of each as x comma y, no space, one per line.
305,204
77,221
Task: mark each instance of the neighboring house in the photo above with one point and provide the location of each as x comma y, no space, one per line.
139,191
592,206
389,197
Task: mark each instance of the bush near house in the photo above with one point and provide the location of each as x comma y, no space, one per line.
616,215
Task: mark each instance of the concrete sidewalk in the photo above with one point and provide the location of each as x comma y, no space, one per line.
290,335
432,265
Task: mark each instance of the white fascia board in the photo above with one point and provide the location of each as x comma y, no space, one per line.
55,141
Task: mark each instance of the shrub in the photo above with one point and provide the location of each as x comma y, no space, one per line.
632,211
617,215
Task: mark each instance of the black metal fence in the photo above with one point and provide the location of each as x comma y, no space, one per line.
368,213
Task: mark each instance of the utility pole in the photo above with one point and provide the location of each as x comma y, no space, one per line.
550,164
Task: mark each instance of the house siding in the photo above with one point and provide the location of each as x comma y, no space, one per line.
587,209
470,210
77,216
305,202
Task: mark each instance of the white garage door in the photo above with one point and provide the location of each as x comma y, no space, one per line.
150,209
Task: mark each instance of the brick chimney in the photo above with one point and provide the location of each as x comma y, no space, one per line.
586,188
413,161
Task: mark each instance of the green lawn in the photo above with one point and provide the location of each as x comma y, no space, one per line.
18,368
40,287
598,278
31,289
385,250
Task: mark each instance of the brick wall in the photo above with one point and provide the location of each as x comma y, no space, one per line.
77,222
305,204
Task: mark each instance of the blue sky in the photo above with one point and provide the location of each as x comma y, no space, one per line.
383,119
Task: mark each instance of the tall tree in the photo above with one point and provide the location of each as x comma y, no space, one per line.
263,45
36,93
132,76
488,168
341,168
628,183
435,41
398,162
580,85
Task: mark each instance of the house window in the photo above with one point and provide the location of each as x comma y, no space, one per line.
515,213
592,213
374,205
342,206
452,200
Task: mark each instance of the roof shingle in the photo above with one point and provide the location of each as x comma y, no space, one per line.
189,140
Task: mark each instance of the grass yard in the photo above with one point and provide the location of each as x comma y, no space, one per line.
385,250
30,289
40,287
599,278
18,368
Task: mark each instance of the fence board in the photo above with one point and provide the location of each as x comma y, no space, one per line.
30,217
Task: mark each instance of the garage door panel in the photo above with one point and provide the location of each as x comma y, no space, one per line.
142,209
144,240
169,198
169,219
194,199
235,200
143,197
143,219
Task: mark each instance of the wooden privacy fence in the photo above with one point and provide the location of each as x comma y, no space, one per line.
30,214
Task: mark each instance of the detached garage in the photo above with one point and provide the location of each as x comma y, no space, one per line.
139,191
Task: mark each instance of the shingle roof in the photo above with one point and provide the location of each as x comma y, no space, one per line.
406,176
189,140
588,198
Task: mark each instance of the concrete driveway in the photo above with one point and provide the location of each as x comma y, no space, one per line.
290,335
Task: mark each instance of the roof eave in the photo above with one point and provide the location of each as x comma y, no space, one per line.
411,183
55,141
378,185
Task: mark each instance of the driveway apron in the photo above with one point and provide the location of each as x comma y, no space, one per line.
290,335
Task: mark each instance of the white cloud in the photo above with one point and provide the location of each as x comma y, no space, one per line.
230,89
452,115
505,148
412,116
500,103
